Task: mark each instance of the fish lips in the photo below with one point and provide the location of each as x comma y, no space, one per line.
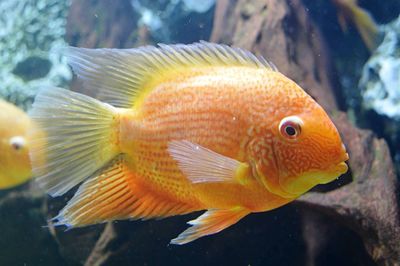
300,184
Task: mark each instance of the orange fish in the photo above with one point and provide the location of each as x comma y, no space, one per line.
182,128
362,19
15,167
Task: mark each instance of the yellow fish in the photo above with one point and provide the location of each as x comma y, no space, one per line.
15,167
365,24
182,128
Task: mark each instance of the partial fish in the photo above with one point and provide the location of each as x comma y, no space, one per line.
15,167
362,19
181,128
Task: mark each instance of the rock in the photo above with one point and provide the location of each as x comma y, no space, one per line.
379,86
27,37
198,6
330,243
380,80
180,21
101,24
120,23
24,239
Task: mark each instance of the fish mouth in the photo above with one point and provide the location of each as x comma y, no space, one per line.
342,167
301,184
296,186
345,156
336,171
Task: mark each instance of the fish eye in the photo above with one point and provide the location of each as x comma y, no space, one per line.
290,127
17,143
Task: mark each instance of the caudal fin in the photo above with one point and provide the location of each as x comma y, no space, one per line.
80,137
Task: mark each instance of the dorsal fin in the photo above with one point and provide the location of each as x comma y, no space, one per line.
119,74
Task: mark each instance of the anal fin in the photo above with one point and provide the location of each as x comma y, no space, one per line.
210,222
115,194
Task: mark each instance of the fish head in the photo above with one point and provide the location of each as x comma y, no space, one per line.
308,151
14,161
301,149
14,146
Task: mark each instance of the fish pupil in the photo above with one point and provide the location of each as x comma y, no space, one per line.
290,131
17,143
16,146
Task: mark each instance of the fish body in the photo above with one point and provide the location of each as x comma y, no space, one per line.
15,166
196,127
191,106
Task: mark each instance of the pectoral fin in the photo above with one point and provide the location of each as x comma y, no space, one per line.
211,222
202,165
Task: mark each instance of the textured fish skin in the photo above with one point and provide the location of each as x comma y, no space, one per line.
218,108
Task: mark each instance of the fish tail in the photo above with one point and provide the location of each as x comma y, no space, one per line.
367,27
80,136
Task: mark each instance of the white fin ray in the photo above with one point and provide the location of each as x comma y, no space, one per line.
210,222
119,74
77,141
200,164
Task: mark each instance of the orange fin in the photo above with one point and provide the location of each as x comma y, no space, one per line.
113,195
367,27
210,222
361,18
